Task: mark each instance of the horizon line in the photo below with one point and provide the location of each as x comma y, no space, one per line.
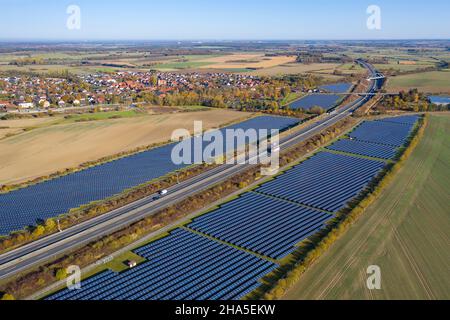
218,40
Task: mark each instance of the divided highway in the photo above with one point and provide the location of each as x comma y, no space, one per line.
45,249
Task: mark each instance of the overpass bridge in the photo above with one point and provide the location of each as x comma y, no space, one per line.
378,76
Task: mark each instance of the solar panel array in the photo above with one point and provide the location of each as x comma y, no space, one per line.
326,101
364,148
269,221
378,139
262,224
22,208
388,132
182,266
325,181
408,120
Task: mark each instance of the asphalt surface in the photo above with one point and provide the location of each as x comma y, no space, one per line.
52,246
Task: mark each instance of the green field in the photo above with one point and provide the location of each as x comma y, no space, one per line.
291,97
405,232
393,65
433,82
107,62
180,65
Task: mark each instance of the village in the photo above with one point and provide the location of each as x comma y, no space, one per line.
35,94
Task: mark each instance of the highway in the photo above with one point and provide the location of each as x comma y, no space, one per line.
45,249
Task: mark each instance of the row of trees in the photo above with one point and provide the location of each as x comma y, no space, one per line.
27,61
411,100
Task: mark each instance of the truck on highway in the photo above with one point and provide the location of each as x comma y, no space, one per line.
274,147
332,112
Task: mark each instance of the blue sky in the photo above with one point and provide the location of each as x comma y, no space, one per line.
222,20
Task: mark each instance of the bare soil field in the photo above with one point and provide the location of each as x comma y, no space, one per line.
16,126
50,148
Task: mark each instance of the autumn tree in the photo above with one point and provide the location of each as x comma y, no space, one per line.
7,296
61,274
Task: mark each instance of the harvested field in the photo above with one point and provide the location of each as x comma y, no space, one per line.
10,127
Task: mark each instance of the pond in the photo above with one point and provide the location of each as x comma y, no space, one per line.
439,99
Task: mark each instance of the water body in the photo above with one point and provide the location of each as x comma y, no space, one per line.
440,99
326,101
24,207
337,87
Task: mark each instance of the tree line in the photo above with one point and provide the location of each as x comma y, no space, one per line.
411,100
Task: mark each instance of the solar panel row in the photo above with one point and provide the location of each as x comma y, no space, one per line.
363,148
262,224
22,208
325,101
408,120
383,132
326,181
182,266
379,139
